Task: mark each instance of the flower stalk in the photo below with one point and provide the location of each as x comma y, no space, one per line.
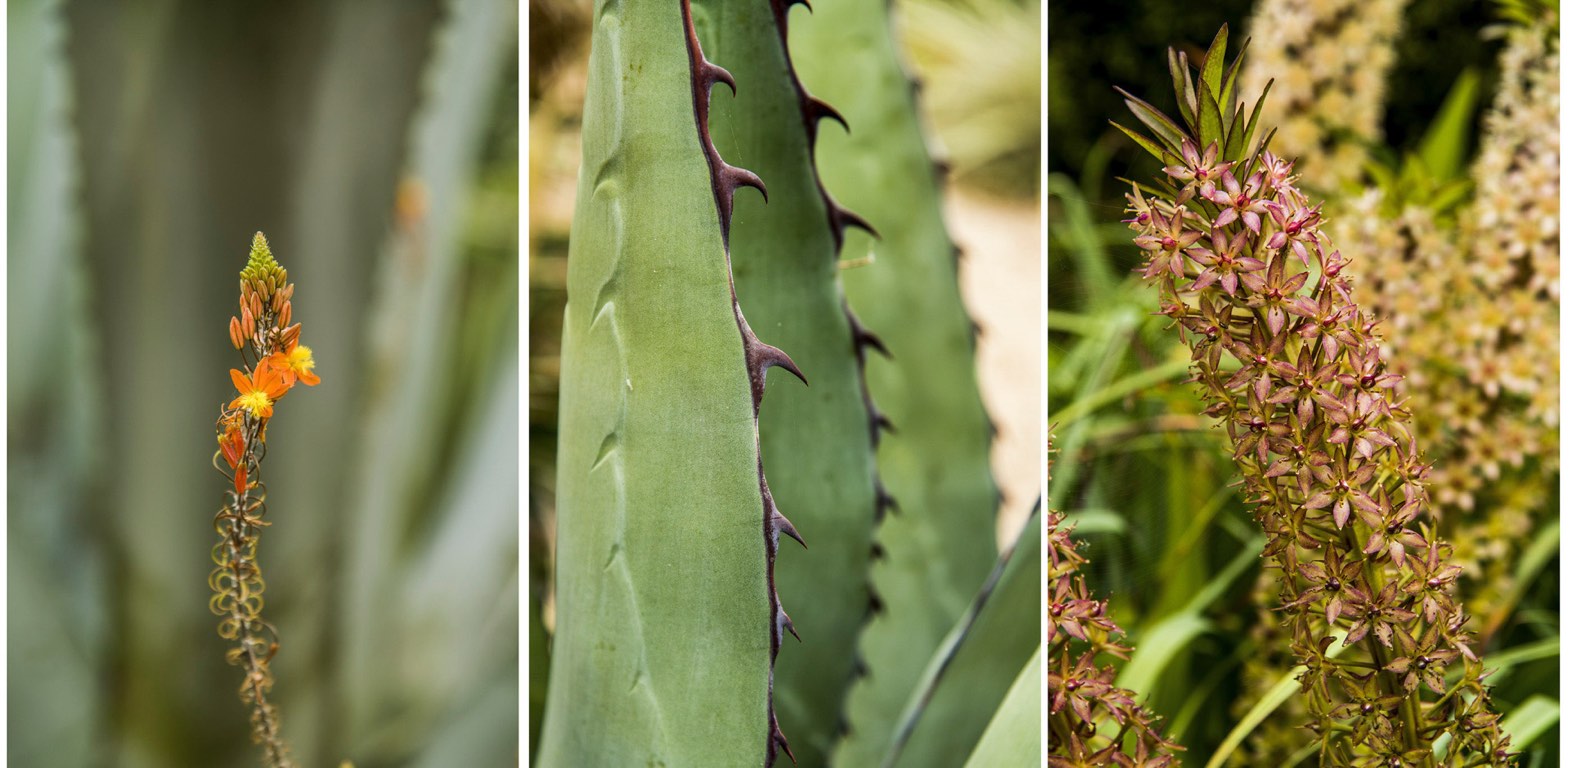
273,362
1292,368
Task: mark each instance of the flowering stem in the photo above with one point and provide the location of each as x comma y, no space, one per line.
261,328
1325,448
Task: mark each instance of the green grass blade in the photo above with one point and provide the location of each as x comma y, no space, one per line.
1530,720
1444,144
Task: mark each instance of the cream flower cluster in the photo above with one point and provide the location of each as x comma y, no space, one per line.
1470,315
1329,60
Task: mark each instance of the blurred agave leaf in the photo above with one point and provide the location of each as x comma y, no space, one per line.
1013,738
54,573
437,485
977,664
981,64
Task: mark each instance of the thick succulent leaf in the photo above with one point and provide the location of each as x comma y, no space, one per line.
662,648
424,525
60,636
971,674
1013,738
939,542
815,440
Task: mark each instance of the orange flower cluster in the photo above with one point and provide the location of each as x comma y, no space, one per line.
261,328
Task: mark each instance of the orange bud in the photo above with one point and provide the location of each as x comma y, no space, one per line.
234,333
285,313
288,291
276,303
247,323
291,335
256,305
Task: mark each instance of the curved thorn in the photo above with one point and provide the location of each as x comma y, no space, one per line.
845,218
733,177
764,357
714,73
817,109
783,525
788,624
869,339
779,739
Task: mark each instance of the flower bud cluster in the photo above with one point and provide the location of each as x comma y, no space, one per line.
1091,719
1292,368
1329,60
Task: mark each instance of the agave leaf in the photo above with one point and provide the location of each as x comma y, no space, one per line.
939,541
817,442
1013,738
663,627
979,661
419,530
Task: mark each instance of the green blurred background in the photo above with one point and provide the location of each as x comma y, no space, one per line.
376,146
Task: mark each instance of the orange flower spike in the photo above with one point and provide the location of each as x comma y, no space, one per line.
260,391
